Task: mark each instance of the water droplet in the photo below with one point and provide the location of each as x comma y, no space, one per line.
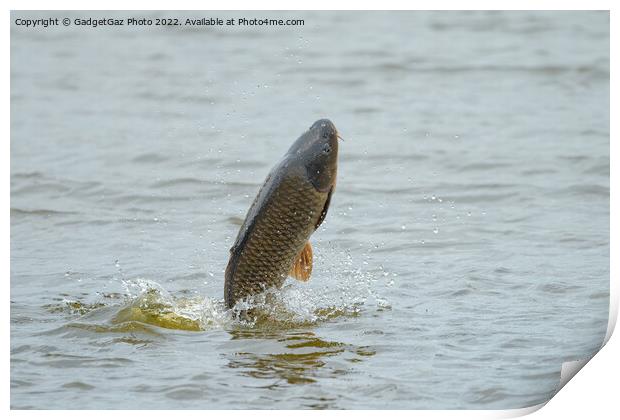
436,231
403,227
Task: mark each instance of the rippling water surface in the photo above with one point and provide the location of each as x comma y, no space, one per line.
465,255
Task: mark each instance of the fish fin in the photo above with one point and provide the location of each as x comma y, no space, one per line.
325,208
302,267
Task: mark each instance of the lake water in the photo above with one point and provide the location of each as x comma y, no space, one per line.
465,255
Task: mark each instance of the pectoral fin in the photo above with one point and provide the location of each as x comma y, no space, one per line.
302,267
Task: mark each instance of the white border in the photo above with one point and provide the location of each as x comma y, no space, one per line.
313,5
594,393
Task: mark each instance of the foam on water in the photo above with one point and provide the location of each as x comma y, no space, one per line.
343,290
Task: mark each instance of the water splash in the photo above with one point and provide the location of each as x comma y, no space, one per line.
343,289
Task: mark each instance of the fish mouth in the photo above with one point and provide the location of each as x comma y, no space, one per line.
324,125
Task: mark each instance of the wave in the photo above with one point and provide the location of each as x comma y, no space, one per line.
146,306
39,212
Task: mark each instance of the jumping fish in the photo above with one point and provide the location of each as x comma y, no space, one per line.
292,203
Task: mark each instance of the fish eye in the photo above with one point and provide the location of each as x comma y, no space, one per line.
327,149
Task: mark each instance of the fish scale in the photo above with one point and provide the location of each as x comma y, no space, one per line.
277,236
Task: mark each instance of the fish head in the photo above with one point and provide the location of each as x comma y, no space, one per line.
317,151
